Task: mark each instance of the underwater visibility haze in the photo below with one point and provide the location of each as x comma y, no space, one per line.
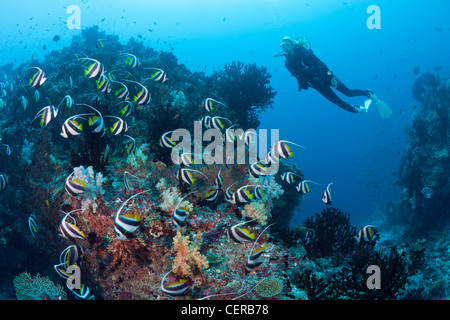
344,106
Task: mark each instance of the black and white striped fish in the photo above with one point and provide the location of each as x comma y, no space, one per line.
326,198
123,92
70,230
131,146
103,84
143,97
38,78
131,60
281,149
125,180
73,254
209,103
185,175
179,214
47,114
212,195
159,75
74,187
125,225
304,186
365,234
71,127
253,256
175,288
95,70
166,141
240,234
120,126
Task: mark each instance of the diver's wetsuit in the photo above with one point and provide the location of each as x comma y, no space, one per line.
310,71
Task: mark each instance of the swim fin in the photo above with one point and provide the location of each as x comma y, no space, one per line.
383,109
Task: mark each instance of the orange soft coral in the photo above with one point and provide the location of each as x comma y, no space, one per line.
188,255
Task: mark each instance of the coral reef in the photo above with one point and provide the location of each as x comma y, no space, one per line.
245,89
133,194
333,233
37,288
425,164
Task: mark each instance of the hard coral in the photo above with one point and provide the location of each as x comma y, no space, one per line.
245,89
333,233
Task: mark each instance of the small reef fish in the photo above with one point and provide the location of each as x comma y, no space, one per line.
130,147
127,109
208,104
281,149
175,288
71,127
24,102
95,70
212,195
32,224
36,95
257,170
103,84
69,101
70,230
304,186
131,60
105,155
179,214
229,135
126,225
8,149
123,92
166,141
366,233
73,254
47,114
185,175
120,126
217,123
253,256
218,182
326,198
3,181
74,187
143,97
125,180
238,234
158,76
206,122
38,78
96,122
289,177
243,196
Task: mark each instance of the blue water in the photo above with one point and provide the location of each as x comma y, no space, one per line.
359,153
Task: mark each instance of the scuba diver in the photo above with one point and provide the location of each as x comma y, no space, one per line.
310,71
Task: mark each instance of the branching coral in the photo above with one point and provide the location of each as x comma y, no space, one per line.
188,255
246,91
333,233
350,282
37,288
